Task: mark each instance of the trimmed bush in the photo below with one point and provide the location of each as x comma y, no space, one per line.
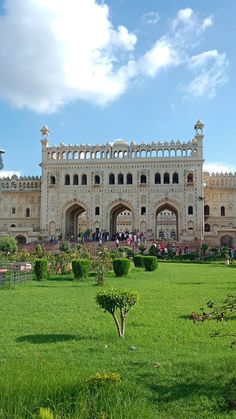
153,250
150,263
121,266
80,268
41,269
138,261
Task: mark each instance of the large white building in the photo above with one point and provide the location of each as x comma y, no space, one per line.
156,188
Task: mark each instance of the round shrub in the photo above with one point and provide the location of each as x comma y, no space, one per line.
153,250
138,261
80,268
41,269
121,266
150,263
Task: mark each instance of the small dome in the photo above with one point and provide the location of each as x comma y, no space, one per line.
120,143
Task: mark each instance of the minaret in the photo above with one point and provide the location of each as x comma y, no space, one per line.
1,162
44,141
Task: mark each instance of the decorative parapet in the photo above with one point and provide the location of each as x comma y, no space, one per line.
20,183
219,179
121,149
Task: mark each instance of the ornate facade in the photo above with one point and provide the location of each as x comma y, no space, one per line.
156,188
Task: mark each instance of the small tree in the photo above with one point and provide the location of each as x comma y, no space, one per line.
150,263
138,261
65,246
41,269
80,268
120,300
153,251
204,248
8,245
102,263
121,266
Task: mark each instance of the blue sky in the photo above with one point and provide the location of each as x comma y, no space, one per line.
98,71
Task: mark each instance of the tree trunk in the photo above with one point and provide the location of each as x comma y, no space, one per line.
117,326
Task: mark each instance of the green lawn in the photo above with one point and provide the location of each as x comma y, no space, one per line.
54,338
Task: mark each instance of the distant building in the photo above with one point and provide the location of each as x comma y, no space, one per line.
156,188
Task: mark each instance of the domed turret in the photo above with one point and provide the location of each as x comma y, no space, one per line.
1,162
199,127
45,131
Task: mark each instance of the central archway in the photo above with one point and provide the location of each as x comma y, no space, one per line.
167,223
75,221
121,219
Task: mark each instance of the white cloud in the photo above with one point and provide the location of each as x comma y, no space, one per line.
218,168
213,73
9,173
162,55
57,51
151,18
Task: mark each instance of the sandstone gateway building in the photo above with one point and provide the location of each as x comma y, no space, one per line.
156,188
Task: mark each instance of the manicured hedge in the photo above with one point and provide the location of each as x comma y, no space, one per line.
41,269
138,261
80,268
121,266
150,263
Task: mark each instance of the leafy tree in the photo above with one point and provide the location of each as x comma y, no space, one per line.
204,248
41,269
65,246
117,300
102,263
8,245
121,266
153,251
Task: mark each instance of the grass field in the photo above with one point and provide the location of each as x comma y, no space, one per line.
54,338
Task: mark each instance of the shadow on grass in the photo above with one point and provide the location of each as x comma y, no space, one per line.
39,339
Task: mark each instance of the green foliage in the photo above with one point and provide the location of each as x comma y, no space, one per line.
104,378
60,263
102,263
138,261
8,245
142,248
153,251
150,263
121,266
65,246
125,251
204,248
39,251
41,269
120,300
80,268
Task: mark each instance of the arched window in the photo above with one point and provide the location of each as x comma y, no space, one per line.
143,179
161,235
157,178
67,179
222,211
52,180
27,213
13,225
190,210
84,180
13,210
120,179
206,210
75,180
97,180
207,227
190,178
175,178
143,210
111,179
129,179
97,210
166,178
